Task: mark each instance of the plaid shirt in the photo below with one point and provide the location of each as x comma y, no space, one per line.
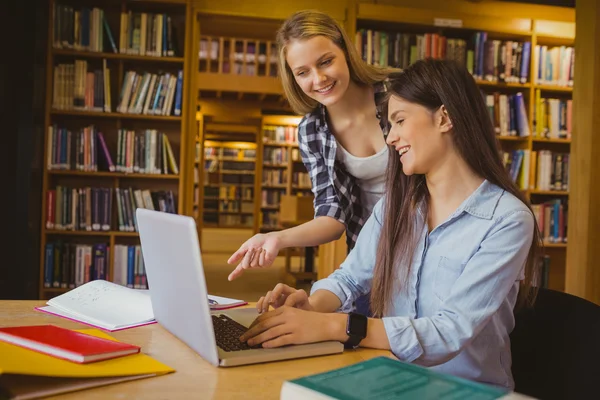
336,193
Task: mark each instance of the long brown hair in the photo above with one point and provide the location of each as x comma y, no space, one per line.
432,83
306,24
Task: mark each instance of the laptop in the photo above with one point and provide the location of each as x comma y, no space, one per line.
179,297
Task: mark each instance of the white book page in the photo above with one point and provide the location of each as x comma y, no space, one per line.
217,302
107,304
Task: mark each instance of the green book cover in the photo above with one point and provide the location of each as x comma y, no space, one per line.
385,378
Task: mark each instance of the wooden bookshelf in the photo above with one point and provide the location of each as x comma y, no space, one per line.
501,29
146,141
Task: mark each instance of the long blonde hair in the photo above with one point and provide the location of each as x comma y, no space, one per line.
307,24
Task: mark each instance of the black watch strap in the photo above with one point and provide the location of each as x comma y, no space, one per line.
356,329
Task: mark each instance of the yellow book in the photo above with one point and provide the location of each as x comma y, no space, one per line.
27,374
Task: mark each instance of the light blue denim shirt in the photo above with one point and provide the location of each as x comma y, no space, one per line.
456,312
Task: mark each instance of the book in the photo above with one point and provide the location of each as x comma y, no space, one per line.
65,343
104,305
112,307
223,303
26,374
383,377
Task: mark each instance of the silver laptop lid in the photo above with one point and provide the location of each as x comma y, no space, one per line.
176,279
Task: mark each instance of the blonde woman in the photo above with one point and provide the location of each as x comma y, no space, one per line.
341,137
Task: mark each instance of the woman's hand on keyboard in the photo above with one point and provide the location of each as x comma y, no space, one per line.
284,295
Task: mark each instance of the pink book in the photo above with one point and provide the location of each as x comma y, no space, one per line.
107,157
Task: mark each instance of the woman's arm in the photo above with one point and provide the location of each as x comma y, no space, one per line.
329,222
477,294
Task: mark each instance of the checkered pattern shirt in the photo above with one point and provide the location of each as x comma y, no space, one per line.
336,193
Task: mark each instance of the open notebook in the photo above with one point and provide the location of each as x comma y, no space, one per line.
113,307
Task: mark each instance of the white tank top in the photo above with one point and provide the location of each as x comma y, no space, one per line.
369,173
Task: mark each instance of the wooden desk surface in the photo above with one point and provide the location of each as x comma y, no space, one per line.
194,377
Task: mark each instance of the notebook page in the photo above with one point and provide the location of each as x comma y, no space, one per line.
105,303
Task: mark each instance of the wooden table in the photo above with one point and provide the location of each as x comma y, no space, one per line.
194,377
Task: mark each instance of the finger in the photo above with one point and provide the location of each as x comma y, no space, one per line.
262,325
261,258
264,317
238,271
237,256
282,288
269,334
283,340
259,304
269,257
279,301
255,257
247,259
266,302
292,300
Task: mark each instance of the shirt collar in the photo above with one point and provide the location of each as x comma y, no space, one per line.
483,201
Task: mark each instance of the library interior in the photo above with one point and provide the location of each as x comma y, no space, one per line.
181,107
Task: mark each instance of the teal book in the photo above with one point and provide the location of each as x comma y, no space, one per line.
384,378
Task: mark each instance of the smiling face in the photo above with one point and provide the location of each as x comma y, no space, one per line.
418,135
319,68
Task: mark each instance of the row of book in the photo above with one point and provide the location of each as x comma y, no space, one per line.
90,208
79,29
280,134
274,155
490,60
147,34
68,265
274,177
75,87
486,59
145,152
552,220
151,94
554,65
538,170
508,114
140,33
270,219
552,118
271,198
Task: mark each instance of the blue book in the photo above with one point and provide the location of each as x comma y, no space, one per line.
385,378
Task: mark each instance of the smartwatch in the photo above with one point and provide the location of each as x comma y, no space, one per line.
356,329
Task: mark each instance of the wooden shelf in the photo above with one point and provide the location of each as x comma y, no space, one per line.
91,233
96,114
555,245
553,88
239,83
108,174
116,56
513,138
427,18
541,140
550,192
503,85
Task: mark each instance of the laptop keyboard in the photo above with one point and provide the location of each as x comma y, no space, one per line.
228,332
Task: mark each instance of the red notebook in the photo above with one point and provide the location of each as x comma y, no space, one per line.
66,344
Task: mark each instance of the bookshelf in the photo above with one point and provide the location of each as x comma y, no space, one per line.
535,151
115,135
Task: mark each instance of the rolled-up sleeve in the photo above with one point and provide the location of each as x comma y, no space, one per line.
326,202
484,284
353,278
